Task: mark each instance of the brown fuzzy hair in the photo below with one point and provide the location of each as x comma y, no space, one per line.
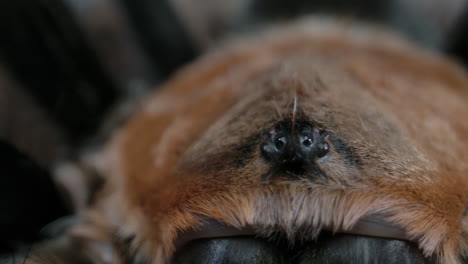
398,143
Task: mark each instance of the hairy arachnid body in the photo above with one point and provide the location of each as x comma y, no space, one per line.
314,126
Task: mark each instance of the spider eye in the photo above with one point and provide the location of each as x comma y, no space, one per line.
322,150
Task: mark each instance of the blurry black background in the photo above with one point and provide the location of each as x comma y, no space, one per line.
67,65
